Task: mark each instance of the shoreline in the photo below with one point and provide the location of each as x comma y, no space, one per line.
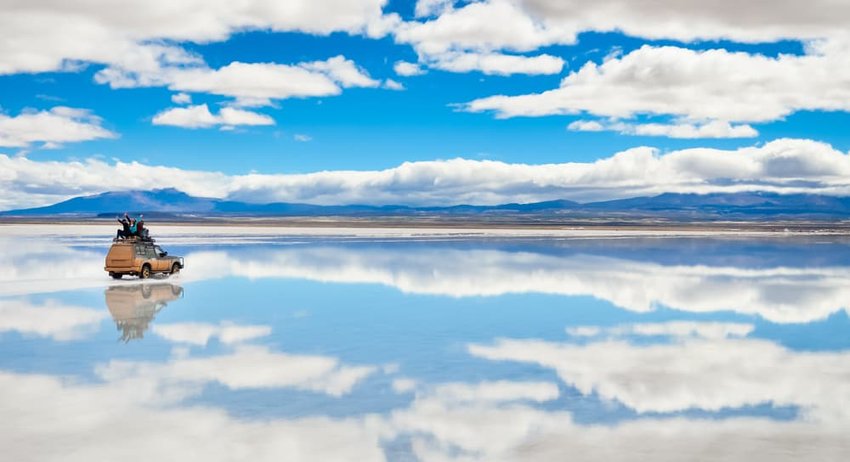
434,229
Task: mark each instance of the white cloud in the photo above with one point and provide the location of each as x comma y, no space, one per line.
181,98
711,129
432,7
393,85
496,63
201,333
470,39
535,23
251,84
41,36
200,117
586,126
480,26
52,127
783,166
406,69
717,86
755,21
49,319
300,137
342,71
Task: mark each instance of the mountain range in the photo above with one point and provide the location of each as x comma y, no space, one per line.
177,204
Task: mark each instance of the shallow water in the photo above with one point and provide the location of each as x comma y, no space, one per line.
344,348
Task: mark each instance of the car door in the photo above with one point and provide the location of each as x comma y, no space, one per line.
140,256
150,254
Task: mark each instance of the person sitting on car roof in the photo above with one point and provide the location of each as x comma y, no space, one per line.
141,231
124,232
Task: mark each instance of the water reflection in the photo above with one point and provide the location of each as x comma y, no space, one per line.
493,374
133,307
793,281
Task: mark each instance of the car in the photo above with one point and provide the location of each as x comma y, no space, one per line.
139,258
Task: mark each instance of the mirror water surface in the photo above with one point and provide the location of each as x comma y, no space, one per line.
339,348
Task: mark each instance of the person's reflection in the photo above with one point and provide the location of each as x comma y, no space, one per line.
133,307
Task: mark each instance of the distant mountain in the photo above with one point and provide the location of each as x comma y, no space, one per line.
747,203
158,200
173,203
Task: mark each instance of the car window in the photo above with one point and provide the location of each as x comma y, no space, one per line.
150,252
140,250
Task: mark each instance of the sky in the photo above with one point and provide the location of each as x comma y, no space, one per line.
432,102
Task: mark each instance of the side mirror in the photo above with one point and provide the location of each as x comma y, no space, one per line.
162,254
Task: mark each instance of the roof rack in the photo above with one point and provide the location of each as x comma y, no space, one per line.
134,239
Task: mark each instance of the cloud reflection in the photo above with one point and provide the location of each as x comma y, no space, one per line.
50,319
788,283
703,372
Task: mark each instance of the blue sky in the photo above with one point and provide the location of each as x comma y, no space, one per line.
516,82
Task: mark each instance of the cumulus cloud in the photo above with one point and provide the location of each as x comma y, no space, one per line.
782,166
479,26
407,69
140,44
471,39
712,129
757,21
41,36
181,98
393,85
537,23
432,7
497,63
251,84
51,127
717,86
200,117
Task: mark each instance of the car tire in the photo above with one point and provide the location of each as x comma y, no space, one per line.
146,272
116,275
175,268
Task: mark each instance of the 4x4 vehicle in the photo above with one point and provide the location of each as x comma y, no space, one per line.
139,258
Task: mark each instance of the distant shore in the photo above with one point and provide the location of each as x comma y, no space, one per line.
430,226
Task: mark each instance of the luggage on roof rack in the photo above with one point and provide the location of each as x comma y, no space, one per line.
134,239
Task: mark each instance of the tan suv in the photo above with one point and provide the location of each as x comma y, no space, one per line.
139,258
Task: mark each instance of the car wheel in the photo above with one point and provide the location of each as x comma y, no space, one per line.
175,268
146,272
116,275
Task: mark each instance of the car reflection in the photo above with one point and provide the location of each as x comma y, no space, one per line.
133,307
